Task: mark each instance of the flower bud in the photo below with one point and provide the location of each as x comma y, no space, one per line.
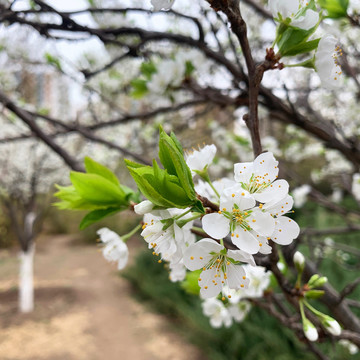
317,281
310,330
299,261
144,207
331,325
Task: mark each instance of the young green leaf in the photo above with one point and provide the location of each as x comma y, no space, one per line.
97,215
93,167
98,190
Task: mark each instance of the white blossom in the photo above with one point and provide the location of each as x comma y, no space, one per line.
164,236
294,10
249,226
299,259
327,62
220,267
310,330
300,195
356,186
239,311
217,312
115,250
332,326
198,160
162,4
352,348
259,178
144,207
286,229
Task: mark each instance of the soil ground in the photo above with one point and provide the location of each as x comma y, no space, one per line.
83,311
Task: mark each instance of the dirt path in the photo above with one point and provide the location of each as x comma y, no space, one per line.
83,311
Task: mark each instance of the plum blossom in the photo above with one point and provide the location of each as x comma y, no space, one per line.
332,326
219,315
144,207
198,160
248,224
114,250
299,260
286,229
295,11
352,348
327,62
300,195
164,236
356,186
239,310
162,4
259,178
310,330
204,189
220,267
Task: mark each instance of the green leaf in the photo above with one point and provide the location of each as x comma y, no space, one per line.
189,68
190,284
148,69
161,188
71,200
335,8
97,215
93,167
139,88
314,294
173,160
98,190
198,207
52,60
302,48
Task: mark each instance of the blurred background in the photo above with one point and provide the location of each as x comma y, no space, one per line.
96,78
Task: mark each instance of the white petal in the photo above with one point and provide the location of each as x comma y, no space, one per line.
308,21
276,191
243,172
216,225
286,230
201,249
278,208
239,255
236,277
261,222
210,285
266,166
245,240
265,248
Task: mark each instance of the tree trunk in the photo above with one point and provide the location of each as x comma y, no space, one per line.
26,280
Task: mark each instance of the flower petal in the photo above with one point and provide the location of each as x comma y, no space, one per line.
286,230
210,285
261,222
216,225
198,255
243,172
245,240
266,166
236,277
276,191
239,255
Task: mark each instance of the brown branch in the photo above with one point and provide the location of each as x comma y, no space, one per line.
30,122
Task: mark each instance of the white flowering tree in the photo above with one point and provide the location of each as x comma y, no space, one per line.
277,78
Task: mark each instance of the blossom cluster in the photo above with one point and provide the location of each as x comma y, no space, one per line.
248,211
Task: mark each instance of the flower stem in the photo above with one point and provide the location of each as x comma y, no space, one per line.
181,223
181,215
127,236
312,309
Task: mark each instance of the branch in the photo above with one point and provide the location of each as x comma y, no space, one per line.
29,121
